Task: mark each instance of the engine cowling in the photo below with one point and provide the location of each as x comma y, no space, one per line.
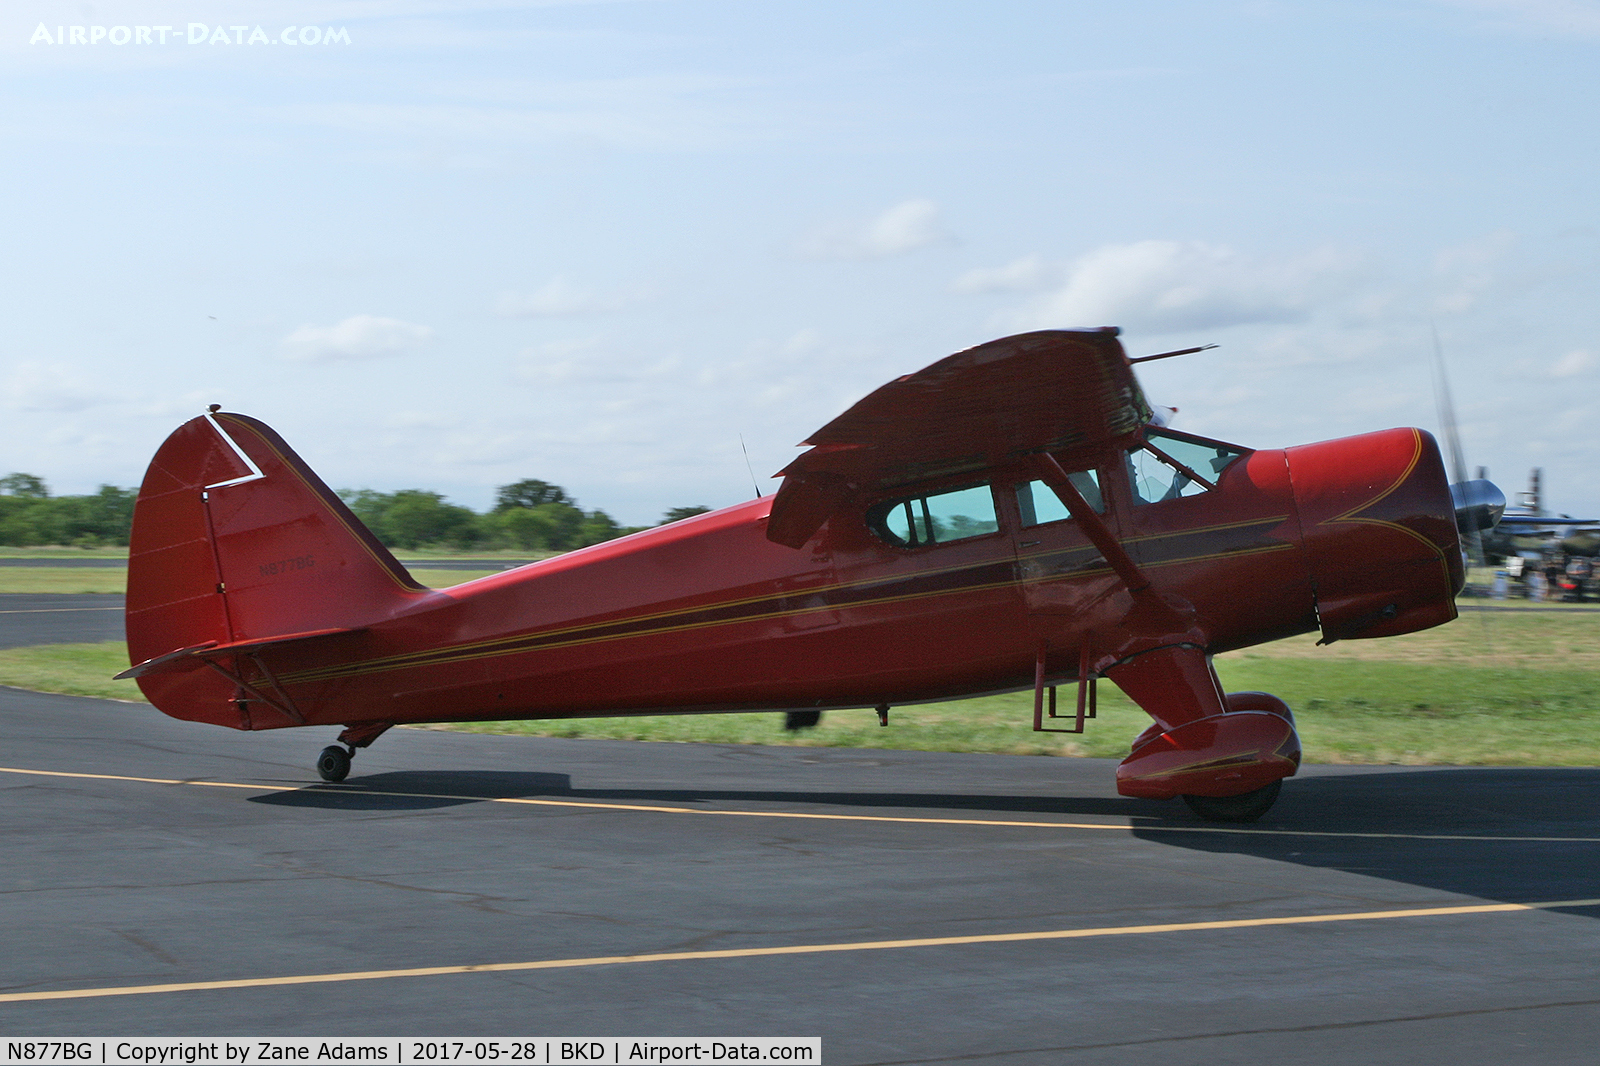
1379,531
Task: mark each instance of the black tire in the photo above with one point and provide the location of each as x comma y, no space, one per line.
1246,807
794,721
333,764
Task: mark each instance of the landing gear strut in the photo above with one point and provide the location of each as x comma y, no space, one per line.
334,762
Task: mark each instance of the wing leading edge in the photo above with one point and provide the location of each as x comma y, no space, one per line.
1070,393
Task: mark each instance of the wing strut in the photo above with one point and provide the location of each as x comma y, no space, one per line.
1155,620
1093,526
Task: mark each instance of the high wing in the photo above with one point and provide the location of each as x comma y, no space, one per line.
1070,393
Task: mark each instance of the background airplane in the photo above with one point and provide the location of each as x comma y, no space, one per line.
1527,528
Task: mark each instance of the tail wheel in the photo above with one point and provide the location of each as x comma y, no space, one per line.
1242,808
334,763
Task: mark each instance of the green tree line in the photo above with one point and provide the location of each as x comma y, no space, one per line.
30,515
530,515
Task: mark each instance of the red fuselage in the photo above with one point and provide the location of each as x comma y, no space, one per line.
1355,536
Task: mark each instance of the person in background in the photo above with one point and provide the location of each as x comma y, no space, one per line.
1554,567
1577,577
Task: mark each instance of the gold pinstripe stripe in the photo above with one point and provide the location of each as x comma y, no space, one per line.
1349,516
491,646
418,659
503,646
675,612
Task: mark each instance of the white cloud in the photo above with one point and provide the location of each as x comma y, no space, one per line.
1572,364
1469,271
558,298
414,421
905,227
185,404
1576,18
51,387
1157,286
357,337
1021,275
560,362
593,361
665,112
802,342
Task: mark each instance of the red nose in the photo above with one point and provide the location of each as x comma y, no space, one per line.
1380,531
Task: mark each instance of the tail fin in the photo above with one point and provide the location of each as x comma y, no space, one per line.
235,539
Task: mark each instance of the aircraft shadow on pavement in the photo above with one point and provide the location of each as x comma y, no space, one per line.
1508,822
417,790
1390,817
421,789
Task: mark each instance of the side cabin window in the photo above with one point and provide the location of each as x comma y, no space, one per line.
1170,467
1039,504
935,519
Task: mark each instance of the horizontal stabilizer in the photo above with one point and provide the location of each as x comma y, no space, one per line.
195,657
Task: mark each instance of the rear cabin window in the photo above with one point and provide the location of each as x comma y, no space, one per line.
935,519
1169,467
1039,504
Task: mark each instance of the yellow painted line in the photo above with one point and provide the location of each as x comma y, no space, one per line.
790,949
144,780
338,790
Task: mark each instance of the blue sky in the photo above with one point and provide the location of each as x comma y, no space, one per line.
598,243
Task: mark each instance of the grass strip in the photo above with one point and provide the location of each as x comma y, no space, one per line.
57,551
71,669
53,579
1350,710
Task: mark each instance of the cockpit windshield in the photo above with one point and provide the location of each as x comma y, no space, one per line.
1170,466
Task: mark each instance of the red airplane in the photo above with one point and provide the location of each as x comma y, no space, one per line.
1007,518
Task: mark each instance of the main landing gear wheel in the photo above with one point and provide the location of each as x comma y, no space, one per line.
334,763
1242,808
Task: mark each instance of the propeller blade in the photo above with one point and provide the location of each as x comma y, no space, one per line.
1447,413
1478,503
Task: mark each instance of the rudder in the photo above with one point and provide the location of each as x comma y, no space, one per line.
235,538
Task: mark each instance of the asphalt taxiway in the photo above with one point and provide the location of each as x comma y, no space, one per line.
164,878
51,618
